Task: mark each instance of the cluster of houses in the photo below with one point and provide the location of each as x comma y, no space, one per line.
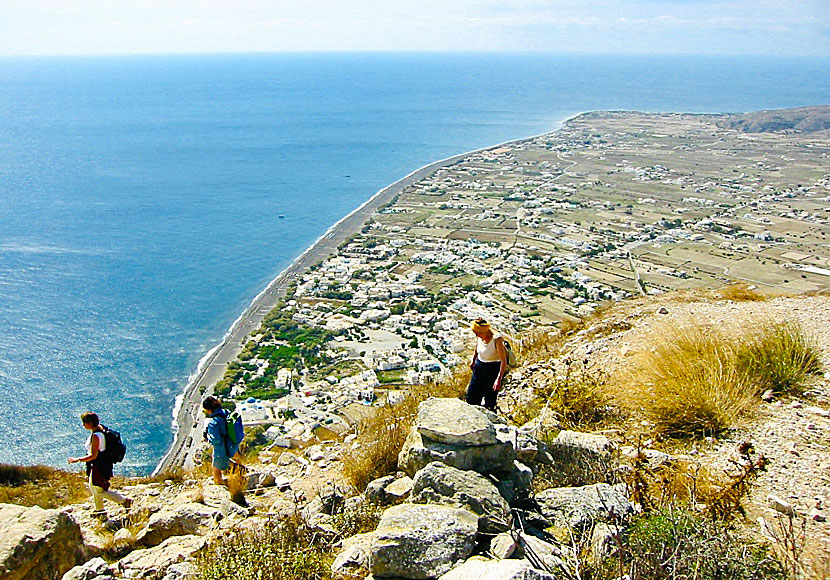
551,223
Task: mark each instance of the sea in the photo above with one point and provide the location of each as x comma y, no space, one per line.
146,200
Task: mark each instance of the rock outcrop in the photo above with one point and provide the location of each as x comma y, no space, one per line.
421,541
37,544
471,443
444,485
477,568
579,508
190,518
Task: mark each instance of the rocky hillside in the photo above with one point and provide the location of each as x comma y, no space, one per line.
526,493
801,120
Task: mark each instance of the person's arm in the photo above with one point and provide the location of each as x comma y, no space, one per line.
214,434
93,452
502,352
475,356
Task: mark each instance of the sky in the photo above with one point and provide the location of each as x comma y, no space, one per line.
731,27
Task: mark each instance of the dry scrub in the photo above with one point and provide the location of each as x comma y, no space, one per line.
381,435
39,485
693,379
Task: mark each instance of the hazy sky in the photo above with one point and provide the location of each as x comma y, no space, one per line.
784,27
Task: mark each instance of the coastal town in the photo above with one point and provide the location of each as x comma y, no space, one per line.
530,234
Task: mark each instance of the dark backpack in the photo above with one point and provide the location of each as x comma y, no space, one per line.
115,447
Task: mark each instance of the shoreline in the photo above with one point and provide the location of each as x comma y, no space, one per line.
187,418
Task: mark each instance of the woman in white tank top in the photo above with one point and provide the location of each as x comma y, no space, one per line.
489,366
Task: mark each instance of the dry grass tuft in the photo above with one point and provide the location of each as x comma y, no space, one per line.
237,485
779,357
40,485
740,293
381,435
695,380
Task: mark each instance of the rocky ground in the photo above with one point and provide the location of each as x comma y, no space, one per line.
792,432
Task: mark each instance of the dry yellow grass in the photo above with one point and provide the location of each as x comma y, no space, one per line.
382,434
740,293
692,379
40,485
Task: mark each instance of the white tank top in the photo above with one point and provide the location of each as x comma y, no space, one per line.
102,442
487,351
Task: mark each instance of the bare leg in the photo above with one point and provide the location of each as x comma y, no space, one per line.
217,476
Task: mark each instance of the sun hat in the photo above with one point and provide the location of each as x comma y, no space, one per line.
479,324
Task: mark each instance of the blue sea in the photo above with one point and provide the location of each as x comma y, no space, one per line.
139,196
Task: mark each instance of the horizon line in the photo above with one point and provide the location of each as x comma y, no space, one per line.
412,52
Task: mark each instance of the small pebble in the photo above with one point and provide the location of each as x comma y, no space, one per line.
817,516
796,405
780,505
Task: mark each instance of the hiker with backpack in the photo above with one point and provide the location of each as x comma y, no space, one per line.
489,365
104,448
223,437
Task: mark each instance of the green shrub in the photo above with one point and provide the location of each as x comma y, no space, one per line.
677,544
282,550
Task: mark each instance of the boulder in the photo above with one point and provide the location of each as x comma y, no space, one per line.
515,485
37,544
503,546
454,422
154,562
580,459
444,485
97,568
398,490
375,490
260,479
190,518
478,568
579,508
421,541
418,452
353,557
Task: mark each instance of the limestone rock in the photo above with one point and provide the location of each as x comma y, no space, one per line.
444,485
153,562
398,490
503,546
37,543
421,541
454,422
190,518
603,541
580,507
375,490
260,479
478,568
780,505
353,557
97,568
418,451
580,458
